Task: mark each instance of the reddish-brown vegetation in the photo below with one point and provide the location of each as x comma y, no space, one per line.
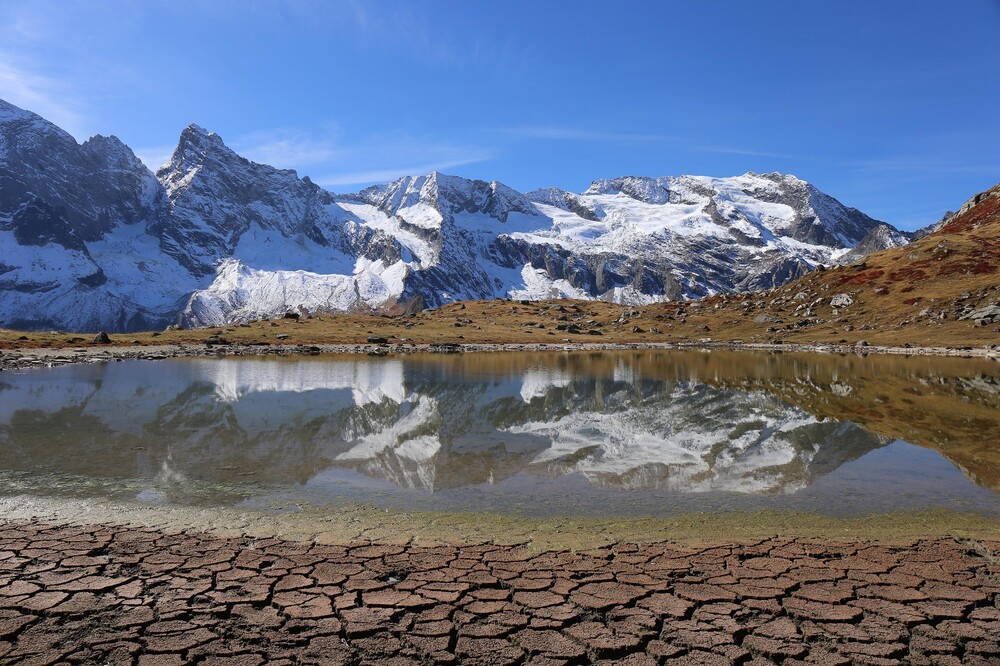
860,278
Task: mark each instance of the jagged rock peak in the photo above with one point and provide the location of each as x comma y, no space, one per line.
196,134
449,195
201,155
23,132
775,176
113,152
672,189
195,145
651,190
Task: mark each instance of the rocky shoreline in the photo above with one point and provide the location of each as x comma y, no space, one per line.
15,359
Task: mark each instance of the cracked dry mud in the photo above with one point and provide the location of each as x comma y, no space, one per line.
117,595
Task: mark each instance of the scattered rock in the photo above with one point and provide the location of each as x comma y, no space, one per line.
445,348
841,301
984,316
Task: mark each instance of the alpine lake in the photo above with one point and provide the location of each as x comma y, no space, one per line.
650,435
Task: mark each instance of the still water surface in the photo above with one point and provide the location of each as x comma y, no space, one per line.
579,433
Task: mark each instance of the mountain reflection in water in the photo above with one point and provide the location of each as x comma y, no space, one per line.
678,422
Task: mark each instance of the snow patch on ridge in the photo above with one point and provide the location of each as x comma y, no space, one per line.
242,294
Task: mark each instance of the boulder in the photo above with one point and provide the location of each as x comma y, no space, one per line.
841,301
984,316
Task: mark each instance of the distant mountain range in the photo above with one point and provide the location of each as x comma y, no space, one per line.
91,239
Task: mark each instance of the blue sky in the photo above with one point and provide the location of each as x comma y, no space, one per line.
892,107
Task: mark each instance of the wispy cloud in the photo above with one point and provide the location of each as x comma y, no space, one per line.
726,150
408,27
926,165
555,133
385,175
401,25
395,26
288,148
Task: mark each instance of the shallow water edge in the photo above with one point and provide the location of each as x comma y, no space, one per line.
353,523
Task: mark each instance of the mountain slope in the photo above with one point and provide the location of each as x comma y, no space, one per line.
941,289
91,239
263,241
75,223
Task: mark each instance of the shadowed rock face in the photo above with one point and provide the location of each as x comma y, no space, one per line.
217,196
878,238
57,199
54,190
92,240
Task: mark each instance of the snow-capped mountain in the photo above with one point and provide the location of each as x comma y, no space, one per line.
879,237
91,239
75,247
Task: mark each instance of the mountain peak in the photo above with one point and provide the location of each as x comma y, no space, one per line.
197,136
194,146
115,153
